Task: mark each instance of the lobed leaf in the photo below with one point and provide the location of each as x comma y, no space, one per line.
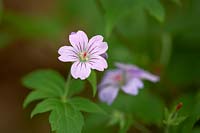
48,81
35,95
83,104
178,120
155,9
66,119
45,106
114,15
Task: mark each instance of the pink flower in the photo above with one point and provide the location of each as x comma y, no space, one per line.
85,54
126,77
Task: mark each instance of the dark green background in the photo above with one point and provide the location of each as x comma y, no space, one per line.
162,37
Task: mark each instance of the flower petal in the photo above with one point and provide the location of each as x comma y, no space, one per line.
98,63
103,47
95,39
80,70
104,55
126,67
135,72
96,45
98,48
78,40
68,54
109,78
149,76
133,86
108,94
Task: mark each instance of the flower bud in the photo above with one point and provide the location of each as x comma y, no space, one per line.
179,106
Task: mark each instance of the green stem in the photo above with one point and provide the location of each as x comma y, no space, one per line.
167,129
169,119
67,84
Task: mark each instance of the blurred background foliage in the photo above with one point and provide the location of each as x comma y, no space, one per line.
162,36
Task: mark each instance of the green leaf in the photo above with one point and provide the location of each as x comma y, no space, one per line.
54,115
128,122
49,85
45,106
166,113
48,81
83,104
93,81
141,105
113,15
178,120
117,117
66,119
191,120
155,9
76,86
35,95
137,20
191,109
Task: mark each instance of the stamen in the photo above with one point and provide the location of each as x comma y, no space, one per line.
84,54
118,78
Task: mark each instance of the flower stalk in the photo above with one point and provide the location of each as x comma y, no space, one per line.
66,89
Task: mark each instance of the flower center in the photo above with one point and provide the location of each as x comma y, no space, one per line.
119,79
83,56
